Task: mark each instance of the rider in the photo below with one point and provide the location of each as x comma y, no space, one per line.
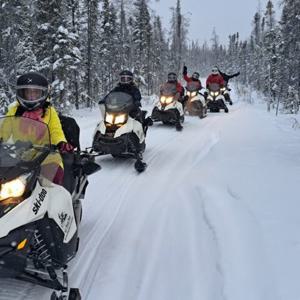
33,102
227,77
172,79
215,77
194,78
126,85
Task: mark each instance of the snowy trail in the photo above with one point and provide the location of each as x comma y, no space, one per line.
139,195
186,228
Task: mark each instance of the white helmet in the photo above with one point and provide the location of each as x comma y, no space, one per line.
215,70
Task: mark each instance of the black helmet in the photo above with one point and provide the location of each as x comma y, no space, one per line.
125,77
172,77
196,76
32,90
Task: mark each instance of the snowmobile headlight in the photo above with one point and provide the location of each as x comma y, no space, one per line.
194,94
223,89
120,119
216,94
109,118
13,189
188,93
212,93
163,99
169,100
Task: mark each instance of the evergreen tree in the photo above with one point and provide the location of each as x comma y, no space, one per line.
160,49
142,36
91,57
109,42
290,49
177,46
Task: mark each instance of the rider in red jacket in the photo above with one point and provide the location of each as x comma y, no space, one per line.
195,77
172,78
215,77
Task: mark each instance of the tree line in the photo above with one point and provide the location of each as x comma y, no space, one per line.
81,46
269,60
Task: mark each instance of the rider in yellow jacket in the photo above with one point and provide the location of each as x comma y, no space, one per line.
33,102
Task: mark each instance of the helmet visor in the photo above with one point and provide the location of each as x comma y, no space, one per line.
172,77
214,71
31,95
125,79
195,76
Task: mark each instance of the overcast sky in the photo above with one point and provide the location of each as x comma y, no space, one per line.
227,16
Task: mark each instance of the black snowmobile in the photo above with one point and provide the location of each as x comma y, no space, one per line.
39,219
119,134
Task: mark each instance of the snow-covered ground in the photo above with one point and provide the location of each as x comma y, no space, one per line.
215,216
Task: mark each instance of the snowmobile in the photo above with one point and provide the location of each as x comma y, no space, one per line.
39,219
215,99
195,105
119,134
168,110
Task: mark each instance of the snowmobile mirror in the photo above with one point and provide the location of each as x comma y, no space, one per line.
90,167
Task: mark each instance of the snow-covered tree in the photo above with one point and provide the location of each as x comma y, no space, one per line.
141,39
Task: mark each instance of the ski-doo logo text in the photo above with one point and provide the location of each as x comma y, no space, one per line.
38,202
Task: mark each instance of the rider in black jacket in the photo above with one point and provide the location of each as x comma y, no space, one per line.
226,77
126,85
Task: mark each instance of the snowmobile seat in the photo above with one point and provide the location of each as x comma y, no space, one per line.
71,130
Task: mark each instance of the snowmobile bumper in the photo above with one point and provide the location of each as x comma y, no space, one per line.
124,144
14,249
194,108
165,116
215,105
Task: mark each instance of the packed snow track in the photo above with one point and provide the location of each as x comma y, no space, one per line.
182,230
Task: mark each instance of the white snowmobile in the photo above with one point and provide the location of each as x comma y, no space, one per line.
38,219
195,103
215,99
168,109
119,134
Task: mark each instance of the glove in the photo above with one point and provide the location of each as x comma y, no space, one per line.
184,72
64,147
148,121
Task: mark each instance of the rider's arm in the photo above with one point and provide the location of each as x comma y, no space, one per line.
56,133
221,81
186,78
208,81
137,97
233,75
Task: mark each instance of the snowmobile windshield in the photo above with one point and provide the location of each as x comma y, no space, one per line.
118,102
23,143
214,87
193,86
168,89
